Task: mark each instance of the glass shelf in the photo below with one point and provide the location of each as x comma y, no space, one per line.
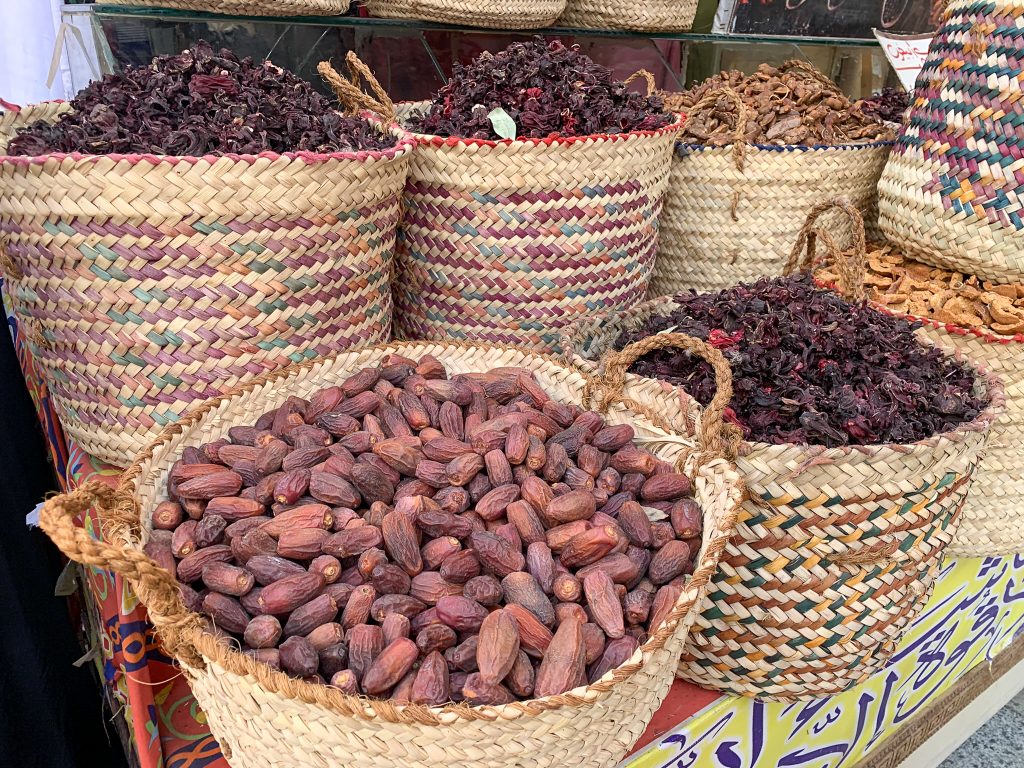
103,10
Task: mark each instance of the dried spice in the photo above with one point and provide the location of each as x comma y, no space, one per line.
549,90
406,587
811,368
888,104
200,102
791,104
912,288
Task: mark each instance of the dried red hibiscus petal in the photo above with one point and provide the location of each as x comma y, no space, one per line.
548,88
200,102
811,368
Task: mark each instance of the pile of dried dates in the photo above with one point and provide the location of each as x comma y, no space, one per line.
912,288
786,105
408,536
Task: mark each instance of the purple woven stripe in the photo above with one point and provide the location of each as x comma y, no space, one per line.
416,188
583,212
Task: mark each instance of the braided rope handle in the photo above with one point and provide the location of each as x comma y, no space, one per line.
852,266
350,92
739,146
647,77
153,585
715,437
799,65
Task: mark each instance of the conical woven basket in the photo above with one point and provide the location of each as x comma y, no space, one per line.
952,192
249,7
836,549
517,14
992,522
724,224
636,15
507,241
263,719
145,283
13,118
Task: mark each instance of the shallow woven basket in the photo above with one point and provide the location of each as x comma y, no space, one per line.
507,241
263,719
952,193
249,7
636,15
517,14
724,225
144,283
13,118
836,549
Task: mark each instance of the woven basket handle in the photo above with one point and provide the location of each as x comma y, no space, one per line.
647,77
739,145
716,438
852,267
153,585
350,92
799,65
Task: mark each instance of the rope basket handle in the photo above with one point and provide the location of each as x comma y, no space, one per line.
647,77
852,266
715,437
153,585
739,146
799,65
350,92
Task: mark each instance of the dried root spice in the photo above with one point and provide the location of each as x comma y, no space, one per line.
791,104
912,288
548,88
200,102
427,539
811,368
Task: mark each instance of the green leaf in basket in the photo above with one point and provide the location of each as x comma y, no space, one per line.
502,123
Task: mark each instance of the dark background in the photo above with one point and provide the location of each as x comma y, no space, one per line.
835,18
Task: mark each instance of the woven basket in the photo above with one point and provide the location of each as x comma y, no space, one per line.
517,14
248,7
636,15
261,718
507,241
836,549
14,118
724,224
952,192
144,283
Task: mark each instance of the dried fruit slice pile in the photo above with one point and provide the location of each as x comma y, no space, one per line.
426,539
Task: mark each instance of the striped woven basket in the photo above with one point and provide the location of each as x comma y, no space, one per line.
264,719
836,549
508,241
517,14
144,283
952,193
636,15
248,7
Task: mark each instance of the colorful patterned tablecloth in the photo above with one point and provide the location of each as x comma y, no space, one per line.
975,612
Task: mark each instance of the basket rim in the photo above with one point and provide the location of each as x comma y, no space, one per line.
404,145
432,140
234,661
981,423
681,145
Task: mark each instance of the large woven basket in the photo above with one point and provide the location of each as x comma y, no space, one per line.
727,222
636,15
517,14
952,193
249,7
507,241
261,718
836,549
145,283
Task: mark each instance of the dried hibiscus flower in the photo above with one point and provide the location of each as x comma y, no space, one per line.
811,368
549,90
200,102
